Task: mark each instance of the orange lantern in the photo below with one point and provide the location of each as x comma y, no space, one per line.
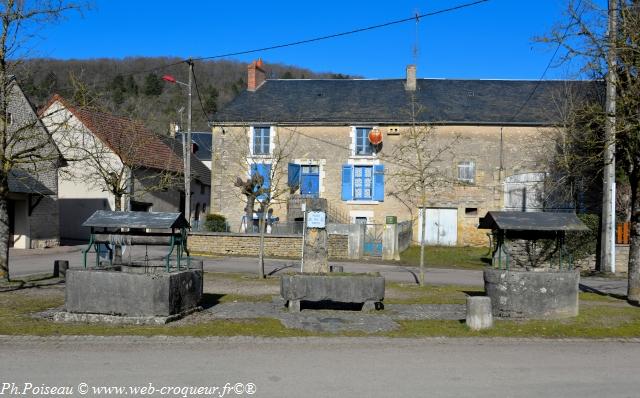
375,137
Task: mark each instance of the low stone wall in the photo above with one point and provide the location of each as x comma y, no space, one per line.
532,294
231,244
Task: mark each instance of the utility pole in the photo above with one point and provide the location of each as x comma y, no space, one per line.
188,146
607,237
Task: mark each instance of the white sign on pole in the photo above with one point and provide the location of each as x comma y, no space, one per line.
316,219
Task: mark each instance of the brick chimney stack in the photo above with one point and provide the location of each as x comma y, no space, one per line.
255,75
411,78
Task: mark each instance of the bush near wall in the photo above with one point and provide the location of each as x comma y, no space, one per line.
215,223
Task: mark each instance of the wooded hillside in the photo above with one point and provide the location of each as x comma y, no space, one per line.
133,87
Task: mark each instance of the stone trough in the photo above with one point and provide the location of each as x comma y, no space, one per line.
132,294
367,289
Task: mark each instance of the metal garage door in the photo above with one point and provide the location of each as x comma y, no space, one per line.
441,226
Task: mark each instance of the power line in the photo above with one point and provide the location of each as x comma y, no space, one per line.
535,88
195,83
331,36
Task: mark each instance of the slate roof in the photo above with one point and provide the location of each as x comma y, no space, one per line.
441,101
135,219
531,221
134,143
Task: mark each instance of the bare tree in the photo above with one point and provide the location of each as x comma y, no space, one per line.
24,149
584,37
417,170
266,178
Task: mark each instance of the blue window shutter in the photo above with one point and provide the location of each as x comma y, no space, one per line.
378,182
265,171
293,175
266,174
347,182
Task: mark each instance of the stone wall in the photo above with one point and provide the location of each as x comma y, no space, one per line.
521,150
231,244
523,253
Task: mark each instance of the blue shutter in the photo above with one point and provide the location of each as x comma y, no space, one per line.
293,175
378,182
347,182
265,171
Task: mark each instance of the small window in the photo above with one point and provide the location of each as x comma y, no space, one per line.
363,145
261,140
467,172
9,119
471,211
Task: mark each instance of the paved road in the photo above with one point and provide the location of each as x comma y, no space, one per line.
24,262
332,367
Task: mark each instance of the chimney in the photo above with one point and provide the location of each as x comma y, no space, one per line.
410,85
255,75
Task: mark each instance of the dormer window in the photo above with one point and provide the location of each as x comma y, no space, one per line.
261,140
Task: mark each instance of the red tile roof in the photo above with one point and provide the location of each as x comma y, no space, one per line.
136,145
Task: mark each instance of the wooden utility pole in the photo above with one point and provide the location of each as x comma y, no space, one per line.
607,242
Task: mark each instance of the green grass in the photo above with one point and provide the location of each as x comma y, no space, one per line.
460,257
429,294
600,317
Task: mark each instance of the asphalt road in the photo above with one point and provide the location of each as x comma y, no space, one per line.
25,262
331,367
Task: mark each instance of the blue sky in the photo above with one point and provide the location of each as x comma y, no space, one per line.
490,40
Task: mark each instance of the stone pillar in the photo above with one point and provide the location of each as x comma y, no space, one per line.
316,241
390,249
356,240
479,314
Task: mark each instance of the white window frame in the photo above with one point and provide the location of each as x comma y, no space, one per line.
466,164
354,144
272,135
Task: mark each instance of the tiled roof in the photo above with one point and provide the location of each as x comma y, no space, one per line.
134,143
442,101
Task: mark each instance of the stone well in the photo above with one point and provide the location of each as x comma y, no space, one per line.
532,294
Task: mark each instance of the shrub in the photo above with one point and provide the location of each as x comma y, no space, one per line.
215,223
584,244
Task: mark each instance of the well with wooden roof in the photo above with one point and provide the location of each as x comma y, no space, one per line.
532,273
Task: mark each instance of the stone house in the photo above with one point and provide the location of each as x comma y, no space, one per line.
497,134
99,146
33,180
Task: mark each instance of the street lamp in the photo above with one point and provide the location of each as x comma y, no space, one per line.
186,143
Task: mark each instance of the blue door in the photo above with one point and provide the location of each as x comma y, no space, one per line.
310,181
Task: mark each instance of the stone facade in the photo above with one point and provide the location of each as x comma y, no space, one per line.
496,151
288,246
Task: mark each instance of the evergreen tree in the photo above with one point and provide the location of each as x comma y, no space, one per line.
152,85
211,100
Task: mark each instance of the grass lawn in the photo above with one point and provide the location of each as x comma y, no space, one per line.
600,316
460,257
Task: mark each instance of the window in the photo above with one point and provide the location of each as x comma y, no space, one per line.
467,172
363,182
261,140
360,182
9,119
363,146
471,211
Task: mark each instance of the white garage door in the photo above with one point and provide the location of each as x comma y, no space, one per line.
441,226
